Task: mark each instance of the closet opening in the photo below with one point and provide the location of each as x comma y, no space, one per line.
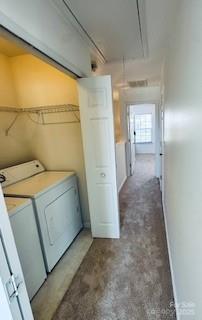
42,171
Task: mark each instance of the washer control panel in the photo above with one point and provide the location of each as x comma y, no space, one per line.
20,172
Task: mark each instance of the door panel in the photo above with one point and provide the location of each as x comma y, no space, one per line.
101,149
104,210
4,304
10,266
97,100
96,109
5,276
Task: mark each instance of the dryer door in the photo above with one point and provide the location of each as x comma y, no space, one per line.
59,221
59,215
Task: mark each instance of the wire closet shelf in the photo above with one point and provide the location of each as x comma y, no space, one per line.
39,114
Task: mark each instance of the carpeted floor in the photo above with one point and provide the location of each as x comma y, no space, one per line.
126,279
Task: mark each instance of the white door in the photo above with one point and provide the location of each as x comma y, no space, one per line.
131,139
11,276
96,109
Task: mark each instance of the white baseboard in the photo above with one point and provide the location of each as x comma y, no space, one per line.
178,317
122,183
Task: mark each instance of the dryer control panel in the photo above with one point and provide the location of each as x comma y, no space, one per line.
20,172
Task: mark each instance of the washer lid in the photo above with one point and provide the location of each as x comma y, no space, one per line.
15,204
38,184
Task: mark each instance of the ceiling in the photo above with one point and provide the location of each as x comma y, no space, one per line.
132,70
113,26
121,29
9,48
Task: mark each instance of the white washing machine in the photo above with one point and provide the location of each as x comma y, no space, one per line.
56,201
25,231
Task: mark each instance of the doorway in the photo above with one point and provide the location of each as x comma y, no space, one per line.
143,129
39,119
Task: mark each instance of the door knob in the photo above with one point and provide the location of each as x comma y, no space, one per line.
103,175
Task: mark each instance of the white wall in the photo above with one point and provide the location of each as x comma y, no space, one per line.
41,24
121,164
142,109
183,154
144,94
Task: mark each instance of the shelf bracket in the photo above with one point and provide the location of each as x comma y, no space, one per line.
12,124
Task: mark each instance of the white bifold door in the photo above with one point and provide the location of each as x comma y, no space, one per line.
14,301
97,122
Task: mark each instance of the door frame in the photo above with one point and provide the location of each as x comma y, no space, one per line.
162,147
157,104
128,142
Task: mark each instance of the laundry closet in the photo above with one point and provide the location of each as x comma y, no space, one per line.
40,133
28,82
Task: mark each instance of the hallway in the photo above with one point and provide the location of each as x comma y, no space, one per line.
126,279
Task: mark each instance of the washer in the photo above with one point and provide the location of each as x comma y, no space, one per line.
23,223
56,201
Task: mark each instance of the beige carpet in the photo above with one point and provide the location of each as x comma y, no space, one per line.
126,279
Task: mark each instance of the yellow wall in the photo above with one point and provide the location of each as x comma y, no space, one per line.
38,83
8,95
14,147
59,147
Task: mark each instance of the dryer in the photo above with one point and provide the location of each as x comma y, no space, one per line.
55,198
23,223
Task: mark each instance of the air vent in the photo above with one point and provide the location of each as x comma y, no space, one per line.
138,83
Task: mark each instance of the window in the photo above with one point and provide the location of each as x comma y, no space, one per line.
143,128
